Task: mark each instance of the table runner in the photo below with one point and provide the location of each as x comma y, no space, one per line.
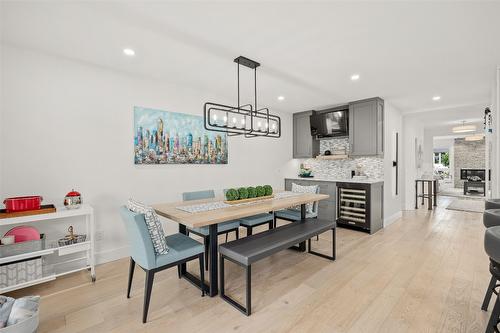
207,206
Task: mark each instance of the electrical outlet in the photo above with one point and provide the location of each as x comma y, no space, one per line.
99,235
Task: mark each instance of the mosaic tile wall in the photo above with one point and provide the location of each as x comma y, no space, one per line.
373,167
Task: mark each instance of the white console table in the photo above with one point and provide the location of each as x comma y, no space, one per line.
22,251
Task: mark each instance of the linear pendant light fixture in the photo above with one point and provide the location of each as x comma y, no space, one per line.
464,128
246,119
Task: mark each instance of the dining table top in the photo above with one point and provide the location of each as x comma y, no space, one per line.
204,218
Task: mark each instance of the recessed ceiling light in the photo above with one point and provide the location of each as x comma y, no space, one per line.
355,77
436,98
281,98
129,52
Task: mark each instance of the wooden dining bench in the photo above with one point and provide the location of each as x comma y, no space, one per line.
251,249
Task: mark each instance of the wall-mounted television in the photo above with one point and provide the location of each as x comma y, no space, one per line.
327,124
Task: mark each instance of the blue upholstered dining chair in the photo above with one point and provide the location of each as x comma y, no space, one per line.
222,228
181,250
250,222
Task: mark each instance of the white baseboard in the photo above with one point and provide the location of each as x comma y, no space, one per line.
393,218
111,255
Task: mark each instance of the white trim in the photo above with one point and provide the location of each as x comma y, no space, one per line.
111,255
393,218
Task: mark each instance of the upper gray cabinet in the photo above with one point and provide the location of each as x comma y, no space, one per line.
304,145
366,127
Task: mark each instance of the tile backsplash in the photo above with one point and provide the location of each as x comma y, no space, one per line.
373,167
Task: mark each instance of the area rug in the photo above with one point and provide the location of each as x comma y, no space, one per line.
476,206
459,193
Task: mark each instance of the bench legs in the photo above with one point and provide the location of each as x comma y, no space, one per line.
321,254
248,310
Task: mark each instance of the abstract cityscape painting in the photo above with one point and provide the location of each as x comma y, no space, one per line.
162,137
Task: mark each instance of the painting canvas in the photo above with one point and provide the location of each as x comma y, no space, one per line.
162,137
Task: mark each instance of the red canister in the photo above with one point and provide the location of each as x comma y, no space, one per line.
19,204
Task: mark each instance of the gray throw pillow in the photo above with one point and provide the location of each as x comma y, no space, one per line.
23,308
305,189
6,304
152,223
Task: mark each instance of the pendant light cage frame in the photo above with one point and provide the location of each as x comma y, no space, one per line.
247,119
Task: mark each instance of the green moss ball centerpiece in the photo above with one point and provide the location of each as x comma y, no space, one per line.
244,194
232,195
251,192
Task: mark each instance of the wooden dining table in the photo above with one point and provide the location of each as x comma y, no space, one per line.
213,217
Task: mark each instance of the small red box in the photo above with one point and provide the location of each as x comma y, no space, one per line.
19,204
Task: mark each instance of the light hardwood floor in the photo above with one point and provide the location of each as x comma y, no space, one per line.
424,273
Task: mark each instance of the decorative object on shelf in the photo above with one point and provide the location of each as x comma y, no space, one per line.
8,240
163,137
71,238
328,153
332,157
359,170
73,200
305,171
44,209
9,250
23,233
19,204
250,194
248,119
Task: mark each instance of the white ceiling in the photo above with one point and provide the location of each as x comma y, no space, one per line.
404,52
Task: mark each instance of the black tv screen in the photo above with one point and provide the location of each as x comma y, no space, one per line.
330,124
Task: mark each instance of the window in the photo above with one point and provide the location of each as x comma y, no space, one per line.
442,158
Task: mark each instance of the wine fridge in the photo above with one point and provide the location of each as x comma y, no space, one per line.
355,208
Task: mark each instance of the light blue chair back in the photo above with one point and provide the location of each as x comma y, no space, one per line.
141,246
198,195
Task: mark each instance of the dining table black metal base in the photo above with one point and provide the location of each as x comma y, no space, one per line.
212,287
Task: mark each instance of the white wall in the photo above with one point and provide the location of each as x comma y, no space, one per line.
428,162
495,137
1,114
70,125
412,129
393,125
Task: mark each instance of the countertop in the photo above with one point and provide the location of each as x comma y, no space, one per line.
339,180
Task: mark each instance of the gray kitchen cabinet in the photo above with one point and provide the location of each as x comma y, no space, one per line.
366,127
304,145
